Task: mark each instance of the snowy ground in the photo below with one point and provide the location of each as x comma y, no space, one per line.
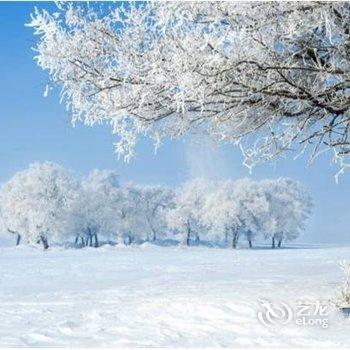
163,296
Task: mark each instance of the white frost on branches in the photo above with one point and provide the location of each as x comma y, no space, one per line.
267,75
186,218
289,207
35,202
94,213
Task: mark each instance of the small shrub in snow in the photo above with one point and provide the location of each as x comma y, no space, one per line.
342,299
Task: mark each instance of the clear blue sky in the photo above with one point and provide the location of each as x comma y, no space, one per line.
35,128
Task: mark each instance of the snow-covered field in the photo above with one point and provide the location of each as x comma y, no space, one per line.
163,296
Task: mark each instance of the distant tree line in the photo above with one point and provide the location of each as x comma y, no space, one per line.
47,203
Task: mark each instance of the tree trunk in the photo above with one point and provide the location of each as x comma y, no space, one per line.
43,240
82,241
250,243
89,237
151,237
234,238
128,240
279,245
154,233
154,237
96,245
18,236
188,236
196,240
273,243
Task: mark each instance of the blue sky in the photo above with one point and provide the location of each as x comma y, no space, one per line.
35,128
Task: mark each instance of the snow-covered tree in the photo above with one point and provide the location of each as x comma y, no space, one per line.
277,70
131,221
186,217
130,213
34,202
221,212
4,230
253,207
156,201
290,205
95,210
237,208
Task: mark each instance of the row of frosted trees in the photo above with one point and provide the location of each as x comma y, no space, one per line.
47,204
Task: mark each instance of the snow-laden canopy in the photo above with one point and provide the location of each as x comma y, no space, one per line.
278,71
